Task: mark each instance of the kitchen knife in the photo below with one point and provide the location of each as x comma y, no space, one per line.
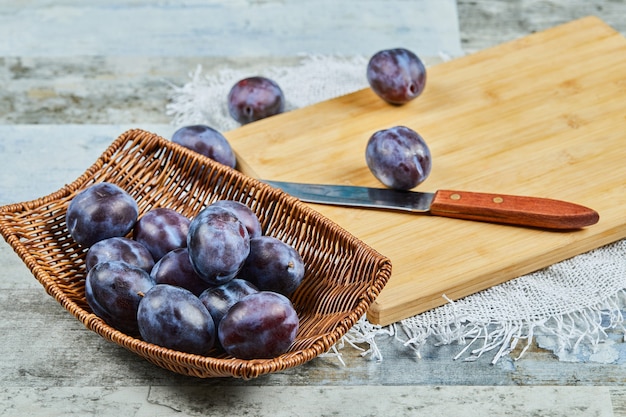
494,208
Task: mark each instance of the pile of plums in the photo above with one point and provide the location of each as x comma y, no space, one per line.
187,284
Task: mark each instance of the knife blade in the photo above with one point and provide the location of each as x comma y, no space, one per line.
516,210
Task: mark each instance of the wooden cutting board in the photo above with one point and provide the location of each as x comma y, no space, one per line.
544,115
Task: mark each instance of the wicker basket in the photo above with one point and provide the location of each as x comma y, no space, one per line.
343,275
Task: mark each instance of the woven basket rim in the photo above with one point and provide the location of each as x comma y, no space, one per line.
181,362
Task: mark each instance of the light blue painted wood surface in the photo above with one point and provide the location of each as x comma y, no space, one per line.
143,401
227,28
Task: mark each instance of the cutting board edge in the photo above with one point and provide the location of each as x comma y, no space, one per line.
381,315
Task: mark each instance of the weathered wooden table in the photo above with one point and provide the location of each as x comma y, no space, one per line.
62,105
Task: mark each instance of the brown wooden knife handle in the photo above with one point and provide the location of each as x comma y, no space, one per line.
510,209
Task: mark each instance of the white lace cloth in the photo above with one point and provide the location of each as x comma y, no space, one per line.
574,308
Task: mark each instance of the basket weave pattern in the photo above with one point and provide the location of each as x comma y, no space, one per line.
343,275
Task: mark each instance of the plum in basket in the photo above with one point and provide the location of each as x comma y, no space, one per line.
161,230
273,265
244,214
218,244
206,141
119,249
175,269
113,290
174,318
218,300
101,211
261,325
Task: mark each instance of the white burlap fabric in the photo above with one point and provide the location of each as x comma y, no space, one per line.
574,308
